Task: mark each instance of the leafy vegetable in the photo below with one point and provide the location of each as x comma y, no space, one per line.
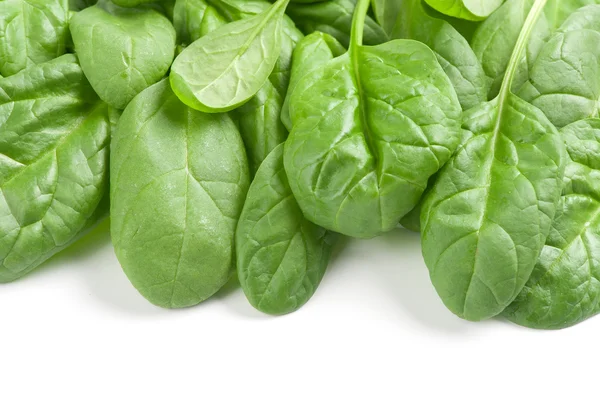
31,32
122,50
474,10
310,53
178,182
415,21
563,288
334,17
495,40
241,56
486,219
386,13
565,79
370,128
195,18
53,162
281,256
557,11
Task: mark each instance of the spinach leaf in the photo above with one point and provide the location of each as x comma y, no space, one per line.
369,128
386,13
474,10
310,53
235,61
495,39
178,182
78,5
565,79
31,32
557,11
486,219
334,17
53,162
132,48
416,21
281,256
564,287
260,118
193,19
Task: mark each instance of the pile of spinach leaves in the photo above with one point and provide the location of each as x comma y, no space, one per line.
244,137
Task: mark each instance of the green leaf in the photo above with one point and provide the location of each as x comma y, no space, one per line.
563,289
260,118
334,17
310,53
415,21
224,69
386,13
557,11
53,162
369,128
122,50
565,79
473,10
178,182
31,32
495,39
486,219
195,18
281,256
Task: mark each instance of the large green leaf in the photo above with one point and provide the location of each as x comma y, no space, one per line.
487,216
564,81
369,128
122,50
416,21
495,39
178,182
564,288
31,32
281,256
53,162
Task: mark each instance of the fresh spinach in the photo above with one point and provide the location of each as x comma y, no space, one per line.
236,58
495,39
564,288
193,19
557,11
31,32
415,21
474,10
564,81
178,182
132,49
369,128
310,53
334,17
281,256
54,135
486,219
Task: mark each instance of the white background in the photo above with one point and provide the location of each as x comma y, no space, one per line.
76,328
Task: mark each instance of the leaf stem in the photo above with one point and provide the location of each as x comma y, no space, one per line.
358,23
513,64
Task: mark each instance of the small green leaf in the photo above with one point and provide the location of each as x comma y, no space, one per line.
224,69
473,10
281,256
